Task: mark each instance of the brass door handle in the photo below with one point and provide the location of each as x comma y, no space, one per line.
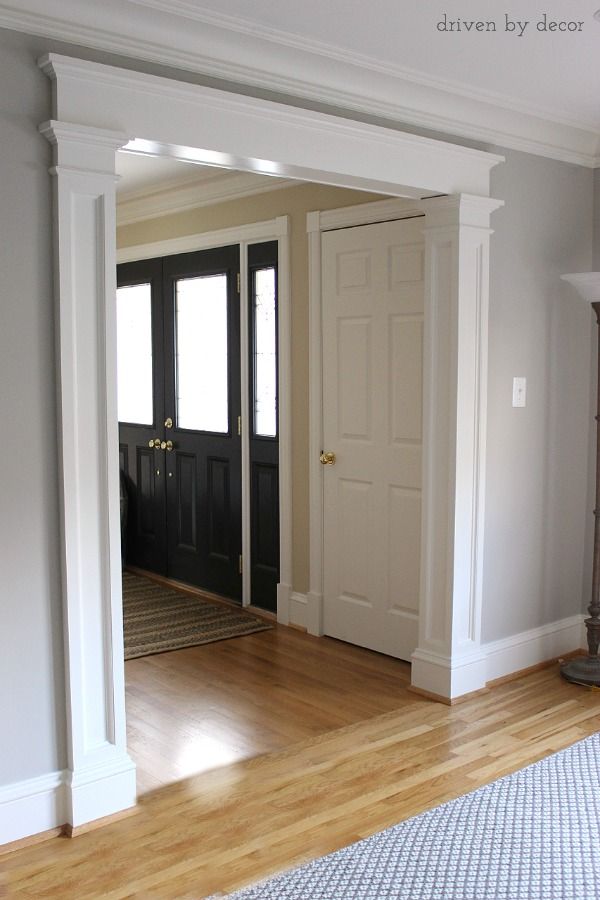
327,459
166,445
155,443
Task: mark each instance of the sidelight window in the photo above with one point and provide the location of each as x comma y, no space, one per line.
264,314
134,354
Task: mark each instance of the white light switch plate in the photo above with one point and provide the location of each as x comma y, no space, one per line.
519,397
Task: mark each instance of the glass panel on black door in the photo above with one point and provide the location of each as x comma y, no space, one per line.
202,356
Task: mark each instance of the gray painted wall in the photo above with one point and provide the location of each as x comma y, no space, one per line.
538,457
537,502
31,650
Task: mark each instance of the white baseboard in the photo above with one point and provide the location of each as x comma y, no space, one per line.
32,806
439,675
298,609
64,798
529,648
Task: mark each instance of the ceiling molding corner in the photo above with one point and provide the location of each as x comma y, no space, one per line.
172,198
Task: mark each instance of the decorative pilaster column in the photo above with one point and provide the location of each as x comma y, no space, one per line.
101,776
449,660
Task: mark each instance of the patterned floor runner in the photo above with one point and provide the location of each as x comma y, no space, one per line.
157,619
533,835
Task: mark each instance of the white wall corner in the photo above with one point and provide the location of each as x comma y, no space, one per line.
32,807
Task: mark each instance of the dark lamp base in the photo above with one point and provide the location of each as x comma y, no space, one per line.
582,670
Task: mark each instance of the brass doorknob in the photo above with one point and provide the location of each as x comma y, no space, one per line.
167,445
327,459
154,442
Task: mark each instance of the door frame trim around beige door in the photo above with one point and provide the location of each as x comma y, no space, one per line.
318,222
276,229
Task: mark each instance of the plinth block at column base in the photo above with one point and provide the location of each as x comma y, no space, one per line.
582,670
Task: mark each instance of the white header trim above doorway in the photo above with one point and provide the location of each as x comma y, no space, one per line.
210,126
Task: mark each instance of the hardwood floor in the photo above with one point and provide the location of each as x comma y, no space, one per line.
205,707
303,746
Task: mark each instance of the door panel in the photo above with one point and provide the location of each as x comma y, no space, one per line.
264,438
372,281
179,335
141,400
203,400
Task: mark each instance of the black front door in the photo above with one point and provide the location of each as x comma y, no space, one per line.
180,443
202,399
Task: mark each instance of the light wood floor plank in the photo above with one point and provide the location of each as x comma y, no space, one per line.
295,747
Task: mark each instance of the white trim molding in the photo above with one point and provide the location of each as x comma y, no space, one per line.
85,235
200,124
98,110
32,806
268,230
238,50
193,193
449,660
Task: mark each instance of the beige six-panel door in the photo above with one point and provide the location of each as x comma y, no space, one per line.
372,291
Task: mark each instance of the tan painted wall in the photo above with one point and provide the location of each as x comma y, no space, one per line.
294,202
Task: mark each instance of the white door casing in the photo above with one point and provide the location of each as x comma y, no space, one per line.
256,232
448,661
96,110
372,307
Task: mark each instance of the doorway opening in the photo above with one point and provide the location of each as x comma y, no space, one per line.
180,365
198,734
105,108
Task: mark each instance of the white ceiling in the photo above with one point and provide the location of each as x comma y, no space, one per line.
140,173
539,92
553,72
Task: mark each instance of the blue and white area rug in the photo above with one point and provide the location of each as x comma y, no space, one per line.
534,835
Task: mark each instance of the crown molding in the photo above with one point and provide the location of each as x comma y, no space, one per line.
188,9
310,71
179,196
